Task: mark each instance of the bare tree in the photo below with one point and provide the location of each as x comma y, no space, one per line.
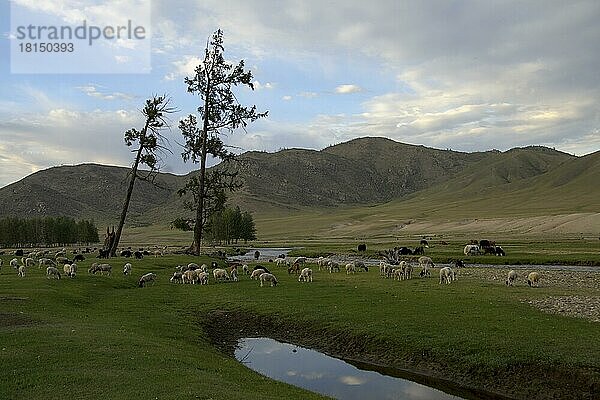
150,143
220,113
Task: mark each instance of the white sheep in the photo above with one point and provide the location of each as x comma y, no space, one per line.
21,271
533,279
281,262
425,263
384,269
256,273
177,277
203,268
267,277
306,275
149,277
512,277
234,274
102,268
220,274
127,269
203,278
14,263
53,272
47,262
245,269
350,268
471,249
70,270
190,276
446,275
192,265
28,262
397,272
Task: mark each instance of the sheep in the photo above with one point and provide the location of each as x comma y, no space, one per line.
190,276
306,275
358,265
471,249
203,267
53,272
220,274
62,260
28,261
192,265
258,266
256,273
512,277
149,277
397,272
281,262
234,274
203,278
384,269
446,275
299,260
294,268
14,263
350,268
333,265
408,270
102,268
533,279
267,277
177,277
245,269
69,270
21,271
157,253
47,262
127,269
425,262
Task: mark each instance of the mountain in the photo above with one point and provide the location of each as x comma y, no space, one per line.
365,171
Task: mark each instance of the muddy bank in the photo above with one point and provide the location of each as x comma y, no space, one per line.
225,328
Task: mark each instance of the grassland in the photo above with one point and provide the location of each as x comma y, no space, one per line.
103,337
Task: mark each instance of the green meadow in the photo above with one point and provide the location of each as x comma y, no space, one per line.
104,337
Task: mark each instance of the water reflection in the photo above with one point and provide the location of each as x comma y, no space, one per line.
320,373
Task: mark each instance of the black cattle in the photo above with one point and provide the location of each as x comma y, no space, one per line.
405,251
458,264
102,253
138,255
362,247
489,250
19,253
79,257
424,243
256,254
281,256
499,251
126,253
486,243
146,252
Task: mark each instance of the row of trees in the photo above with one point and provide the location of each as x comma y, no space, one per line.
218,114
48,231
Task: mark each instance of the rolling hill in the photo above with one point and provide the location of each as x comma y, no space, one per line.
359,179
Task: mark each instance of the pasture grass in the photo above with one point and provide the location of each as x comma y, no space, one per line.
103,337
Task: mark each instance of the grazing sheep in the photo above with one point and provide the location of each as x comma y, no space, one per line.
62,260
398,272
294,268
220,274
70,270
28,262
350,268
149,277
383,269
256,273
203,278
47,262
333,266
267,277
408,270
299,260
177,277
234,274
14,263
358,265
157,253
261,267
471,249
190,276
21,271
127,269
533,279
281,262
245,269
512,277
53,272
446,275
425,262
306,275
102,268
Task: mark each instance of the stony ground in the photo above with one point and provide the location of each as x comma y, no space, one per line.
580,306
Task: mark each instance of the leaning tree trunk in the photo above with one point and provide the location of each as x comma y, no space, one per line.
134,168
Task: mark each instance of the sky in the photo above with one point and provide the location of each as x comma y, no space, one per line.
448,74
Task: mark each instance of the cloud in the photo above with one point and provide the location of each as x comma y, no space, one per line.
352,380
92,91
347,89
260,86
286,98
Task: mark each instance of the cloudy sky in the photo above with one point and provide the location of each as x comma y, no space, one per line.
464,75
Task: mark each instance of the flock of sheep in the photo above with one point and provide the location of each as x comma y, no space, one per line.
199,274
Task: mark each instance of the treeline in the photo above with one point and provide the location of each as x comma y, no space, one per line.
230,225
47,232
